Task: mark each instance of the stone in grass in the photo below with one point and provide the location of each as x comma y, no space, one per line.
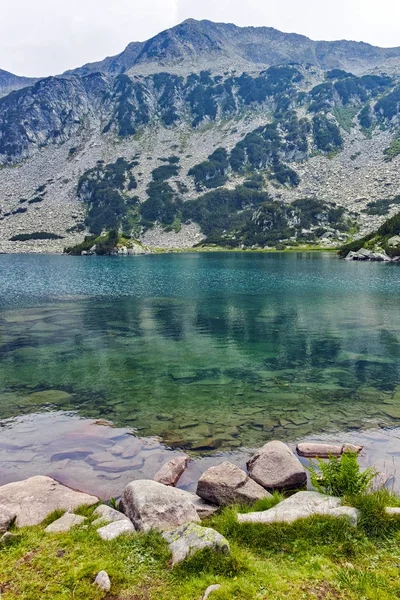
210,590
33,499
300,506
226,484
152,505
170,473
103,581
204,509
65,523
186,540
105,514
114,530
393,510
275,467
7,538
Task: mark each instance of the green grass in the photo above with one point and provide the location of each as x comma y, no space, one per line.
318,558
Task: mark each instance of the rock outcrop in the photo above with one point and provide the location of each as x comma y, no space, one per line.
275,467
300,506
65,523
33,499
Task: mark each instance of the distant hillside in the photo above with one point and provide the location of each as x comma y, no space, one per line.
243,153
10,82
196,45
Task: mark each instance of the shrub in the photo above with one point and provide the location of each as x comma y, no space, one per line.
341,476
37,235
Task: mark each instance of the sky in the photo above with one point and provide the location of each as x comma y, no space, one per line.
46,37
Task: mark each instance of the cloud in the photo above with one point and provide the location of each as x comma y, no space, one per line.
43,37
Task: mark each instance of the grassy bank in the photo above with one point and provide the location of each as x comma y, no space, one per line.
317,558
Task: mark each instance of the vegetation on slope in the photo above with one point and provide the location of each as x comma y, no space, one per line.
377,239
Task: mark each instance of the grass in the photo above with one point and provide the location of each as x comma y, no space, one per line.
319,558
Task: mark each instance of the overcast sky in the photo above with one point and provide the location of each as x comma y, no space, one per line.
45,37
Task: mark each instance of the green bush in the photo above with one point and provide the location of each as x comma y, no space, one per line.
341,476
37,235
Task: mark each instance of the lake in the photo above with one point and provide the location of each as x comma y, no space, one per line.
210,353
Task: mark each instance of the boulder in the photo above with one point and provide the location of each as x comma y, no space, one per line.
115,529
227,484
33,499
188,539
106,514
152,505
321,450
65,523
170,473
8,538
394,241
275,467
392,510
6,518
103,581
300,506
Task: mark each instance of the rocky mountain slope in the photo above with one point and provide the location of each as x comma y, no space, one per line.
10,82
240,156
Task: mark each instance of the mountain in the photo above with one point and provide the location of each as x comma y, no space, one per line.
207,133
10,82
197,45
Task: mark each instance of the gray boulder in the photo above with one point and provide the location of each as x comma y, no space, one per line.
300,506
170,473
226,484
115,529
106,514
33,499
275,467
103,581
152,505
204,509
65,523
188,539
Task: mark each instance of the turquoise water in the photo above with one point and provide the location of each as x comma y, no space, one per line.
207,351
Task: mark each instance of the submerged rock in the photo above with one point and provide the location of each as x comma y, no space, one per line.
65,523
275,467
170,473
300,506
33,499
226,484
152,505
188,539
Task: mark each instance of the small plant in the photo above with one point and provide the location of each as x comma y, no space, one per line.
341,476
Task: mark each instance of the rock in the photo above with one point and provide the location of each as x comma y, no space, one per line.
186,540
6,518
106,514
170,473
103,581
115,529
392,510
65,523
7,538
321,450
394,241
33,499
300,506
210,590
275,467
152,505
204,509
227,484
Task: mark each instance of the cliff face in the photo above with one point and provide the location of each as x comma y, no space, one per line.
289,132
